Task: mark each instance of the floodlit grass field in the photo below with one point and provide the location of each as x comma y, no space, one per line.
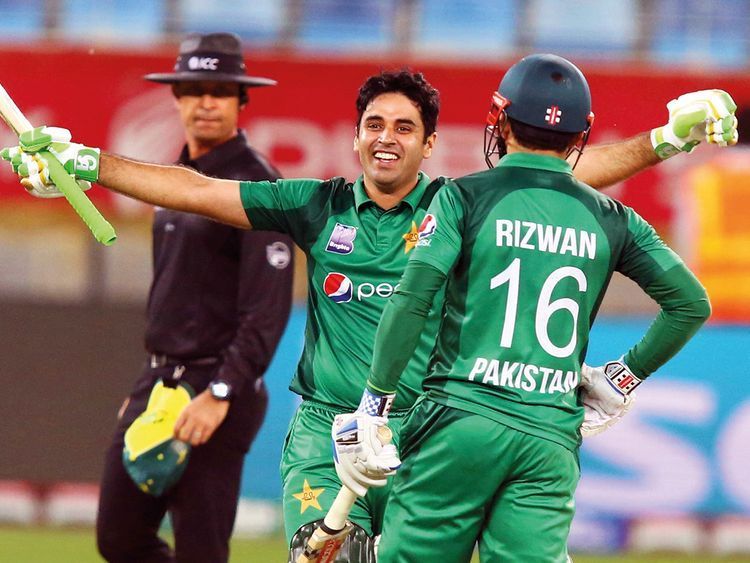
45,545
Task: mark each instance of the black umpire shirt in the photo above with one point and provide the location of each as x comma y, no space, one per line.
218,291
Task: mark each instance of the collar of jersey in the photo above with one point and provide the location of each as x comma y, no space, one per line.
214,159
412,200
529,160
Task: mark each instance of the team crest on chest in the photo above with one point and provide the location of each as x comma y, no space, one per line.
341,240
411,237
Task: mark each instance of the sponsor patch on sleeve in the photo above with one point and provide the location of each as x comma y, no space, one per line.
426,230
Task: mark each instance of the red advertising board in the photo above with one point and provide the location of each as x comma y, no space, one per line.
305,124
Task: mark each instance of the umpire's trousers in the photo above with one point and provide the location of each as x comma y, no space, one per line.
202,505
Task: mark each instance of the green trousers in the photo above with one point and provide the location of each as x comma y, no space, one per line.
309,476
467,479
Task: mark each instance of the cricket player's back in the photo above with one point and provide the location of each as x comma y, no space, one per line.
532,252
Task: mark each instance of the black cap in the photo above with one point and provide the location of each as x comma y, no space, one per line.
213,56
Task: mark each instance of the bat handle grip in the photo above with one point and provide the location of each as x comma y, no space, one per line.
335,519
97,224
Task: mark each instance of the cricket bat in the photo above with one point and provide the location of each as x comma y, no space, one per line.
97,224
325,543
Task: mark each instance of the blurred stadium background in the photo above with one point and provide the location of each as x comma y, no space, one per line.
672,477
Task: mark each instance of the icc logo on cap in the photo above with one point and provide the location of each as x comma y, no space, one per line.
338,287
203,63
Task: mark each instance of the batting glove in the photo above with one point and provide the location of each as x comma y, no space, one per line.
362,448
34,173
79,161
707,115
607,395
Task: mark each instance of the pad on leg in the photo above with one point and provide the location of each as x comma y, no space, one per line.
358,547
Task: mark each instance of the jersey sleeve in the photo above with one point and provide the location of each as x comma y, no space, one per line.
645,256
402,322
684,308
440,237
405,314
665,278
276,206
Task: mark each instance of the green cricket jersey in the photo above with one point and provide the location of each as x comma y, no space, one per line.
528,252
356,253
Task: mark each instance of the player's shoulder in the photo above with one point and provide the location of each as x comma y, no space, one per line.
440,181
458,185
605,204
334,188
469,185
432,189
335,192
338,184
435,185
479,178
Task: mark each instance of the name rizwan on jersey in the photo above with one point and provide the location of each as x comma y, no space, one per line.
546,238
517,375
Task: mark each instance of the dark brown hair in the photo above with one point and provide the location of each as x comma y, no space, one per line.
412,85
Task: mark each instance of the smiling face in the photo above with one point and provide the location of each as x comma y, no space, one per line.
209,112
391,144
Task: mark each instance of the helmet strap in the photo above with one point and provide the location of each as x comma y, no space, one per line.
494,144
580,145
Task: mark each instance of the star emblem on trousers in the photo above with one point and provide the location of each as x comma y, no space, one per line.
308,497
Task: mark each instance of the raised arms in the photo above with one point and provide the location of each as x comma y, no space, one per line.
704,116
174,187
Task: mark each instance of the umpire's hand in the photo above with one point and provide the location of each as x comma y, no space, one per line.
200,419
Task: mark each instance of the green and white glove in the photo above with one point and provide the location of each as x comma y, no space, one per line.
706,115
34,173
79,161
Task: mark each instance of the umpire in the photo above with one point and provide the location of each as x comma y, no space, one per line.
217,307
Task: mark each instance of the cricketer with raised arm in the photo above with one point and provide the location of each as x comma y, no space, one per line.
335,362
607,396
526,252
704,116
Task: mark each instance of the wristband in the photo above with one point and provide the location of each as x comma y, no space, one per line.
375,405
664,148
621,378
